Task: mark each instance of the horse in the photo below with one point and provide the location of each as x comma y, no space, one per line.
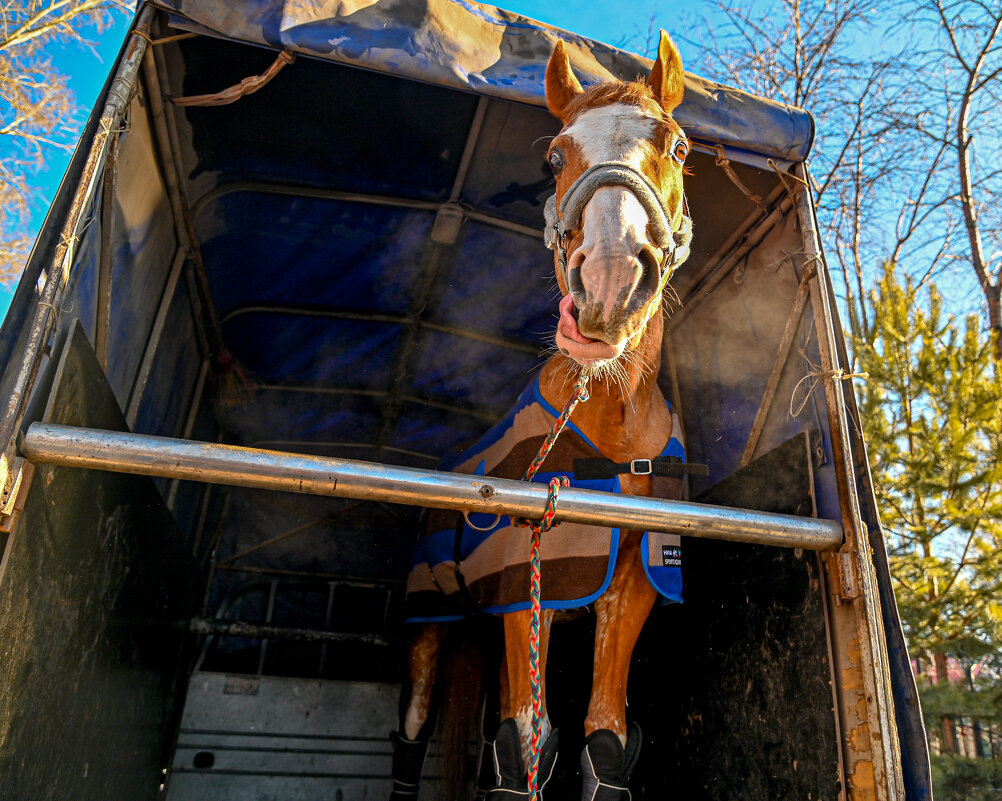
619,226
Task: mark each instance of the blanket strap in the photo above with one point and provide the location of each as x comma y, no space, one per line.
579,394
591,468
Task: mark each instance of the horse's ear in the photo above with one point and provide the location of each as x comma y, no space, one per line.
667,80
562,84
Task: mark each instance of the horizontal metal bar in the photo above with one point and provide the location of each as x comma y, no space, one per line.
452,408
266,631
296,190
315,475
355,581
509,343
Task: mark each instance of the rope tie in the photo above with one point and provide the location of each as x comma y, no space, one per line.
579,394
164,40
725,164
814,377
246,87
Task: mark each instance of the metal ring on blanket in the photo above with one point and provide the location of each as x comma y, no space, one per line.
475,527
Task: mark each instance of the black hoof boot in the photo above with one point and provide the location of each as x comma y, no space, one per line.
510,775
408,759
606,766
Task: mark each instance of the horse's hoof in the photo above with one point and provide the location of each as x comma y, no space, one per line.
606,766
408,759
511,777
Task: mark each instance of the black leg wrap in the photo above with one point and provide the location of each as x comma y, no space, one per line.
486,779
606,766
510,775
408,759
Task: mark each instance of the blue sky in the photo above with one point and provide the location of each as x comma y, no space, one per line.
86,68
623,23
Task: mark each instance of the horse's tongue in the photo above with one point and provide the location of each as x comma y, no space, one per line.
567,325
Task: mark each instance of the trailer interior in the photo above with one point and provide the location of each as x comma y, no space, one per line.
348,262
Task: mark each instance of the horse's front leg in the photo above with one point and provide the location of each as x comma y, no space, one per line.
512,743
611,751
417,711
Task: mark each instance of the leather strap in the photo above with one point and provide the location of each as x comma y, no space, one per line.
593,468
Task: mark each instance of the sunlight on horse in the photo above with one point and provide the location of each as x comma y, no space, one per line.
618,227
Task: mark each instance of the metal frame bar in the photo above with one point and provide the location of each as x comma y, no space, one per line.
247,467
153,342
738,245
164,146
312,575
453,408
879,726
438,258
509,343
294,190
106,261
778,365
264,632
189,424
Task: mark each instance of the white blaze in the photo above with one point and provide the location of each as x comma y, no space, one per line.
613,133
617,132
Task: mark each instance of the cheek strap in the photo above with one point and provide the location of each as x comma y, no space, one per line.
674,244
613,173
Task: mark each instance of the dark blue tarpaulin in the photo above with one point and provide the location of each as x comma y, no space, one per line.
480,48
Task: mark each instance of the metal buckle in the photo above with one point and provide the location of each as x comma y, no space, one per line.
641,467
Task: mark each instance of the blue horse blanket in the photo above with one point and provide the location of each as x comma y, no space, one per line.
457,570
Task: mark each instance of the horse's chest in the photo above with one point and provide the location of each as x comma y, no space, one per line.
483,563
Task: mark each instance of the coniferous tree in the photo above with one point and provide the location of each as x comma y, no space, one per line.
933,422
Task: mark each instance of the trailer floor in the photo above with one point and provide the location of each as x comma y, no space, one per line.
264,738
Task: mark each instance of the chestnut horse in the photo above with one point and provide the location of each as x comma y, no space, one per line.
618,226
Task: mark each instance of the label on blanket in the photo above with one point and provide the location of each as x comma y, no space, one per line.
458,569
671,555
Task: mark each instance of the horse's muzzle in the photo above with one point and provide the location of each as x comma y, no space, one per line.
613,293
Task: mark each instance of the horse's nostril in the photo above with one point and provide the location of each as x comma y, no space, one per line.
649,266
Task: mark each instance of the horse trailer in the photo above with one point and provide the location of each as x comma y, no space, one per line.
296,259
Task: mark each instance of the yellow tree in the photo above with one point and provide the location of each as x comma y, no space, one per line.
37,112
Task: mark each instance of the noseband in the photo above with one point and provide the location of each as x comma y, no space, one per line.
673,244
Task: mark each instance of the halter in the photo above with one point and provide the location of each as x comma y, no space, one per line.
673,244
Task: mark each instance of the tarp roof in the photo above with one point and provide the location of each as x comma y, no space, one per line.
480,48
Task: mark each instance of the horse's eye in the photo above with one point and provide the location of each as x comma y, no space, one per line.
556,161
680,151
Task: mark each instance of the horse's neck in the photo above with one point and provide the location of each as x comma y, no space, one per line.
625,419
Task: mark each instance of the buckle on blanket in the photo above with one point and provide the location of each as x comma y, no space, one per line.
641,467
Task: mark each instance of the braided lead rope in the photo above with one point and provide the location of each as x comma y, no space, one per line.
579,394
535,594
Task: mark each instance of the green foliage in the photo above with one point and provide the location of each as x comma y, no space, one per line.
932,418
958,778
933,421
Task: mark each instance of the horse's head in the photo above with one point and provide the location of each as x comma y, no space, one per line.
617,221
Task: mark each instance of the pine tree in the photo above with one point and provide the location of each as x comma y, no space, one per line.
932,414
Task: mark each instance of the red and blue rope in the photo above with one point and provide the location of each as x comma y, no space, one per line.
579,394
